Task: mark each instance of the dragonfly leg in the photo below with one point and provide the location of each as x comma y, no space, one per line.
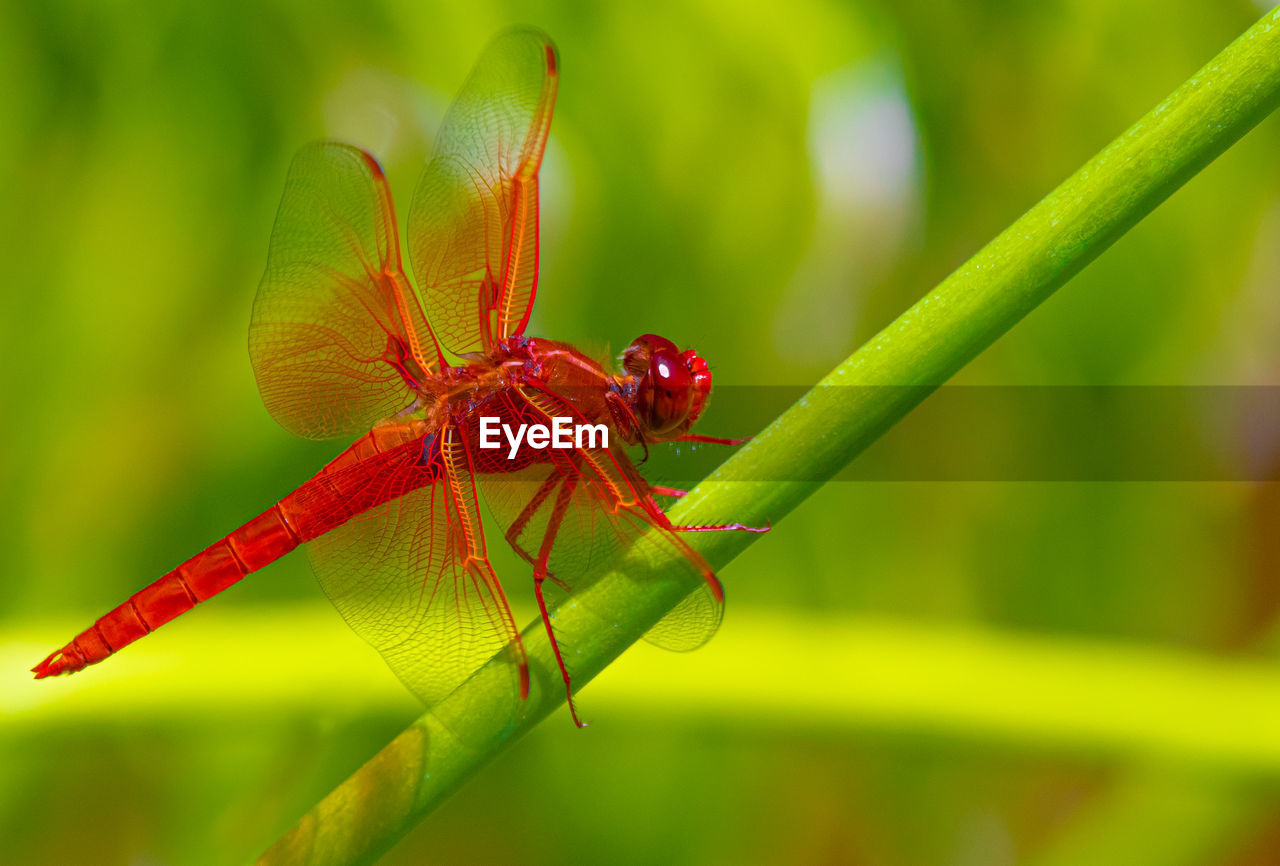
522,520
710,440
721,527
627,423
526,514
540,573
660,516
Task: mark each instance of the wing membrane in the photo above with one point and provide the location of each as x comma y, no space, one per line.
473,223
334,318
410,573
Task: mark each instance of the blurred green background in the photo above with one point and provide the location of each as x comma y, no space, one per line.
1029,672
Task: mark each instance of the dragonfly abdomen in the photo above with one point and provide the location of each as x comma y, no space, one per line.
335,495
262,540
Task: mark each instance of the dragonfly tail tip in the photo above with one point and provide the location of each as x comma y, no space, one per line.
53,665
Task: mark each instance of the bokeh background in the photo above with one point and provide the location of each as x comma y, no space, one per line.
1040,671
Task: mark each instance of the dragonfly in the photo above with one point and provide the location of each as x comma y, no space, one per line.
342,345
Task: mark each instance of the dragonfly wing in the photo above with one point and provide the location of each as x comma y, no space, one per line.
607,512
410,573
691,623
473,223
334,319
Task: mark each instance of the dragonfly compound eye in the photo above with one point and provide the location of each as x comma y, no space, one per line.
666,392
635,358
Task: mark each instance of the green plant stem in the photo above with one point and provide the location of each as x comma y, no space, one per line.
813,440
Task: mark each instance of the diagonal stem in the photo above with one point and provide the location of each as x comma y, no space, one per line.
813,440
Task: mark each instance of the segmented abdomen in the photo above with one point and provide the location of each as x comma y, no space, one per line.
332,497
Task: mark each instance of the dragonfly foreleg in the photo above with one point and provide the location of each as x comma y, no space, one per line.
710,440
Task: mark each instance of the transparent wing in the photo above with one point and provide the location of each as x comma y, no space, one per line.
336,330
594,506
409,573
473,223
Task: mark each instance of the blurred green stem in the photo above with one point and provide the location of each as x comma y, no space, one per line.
812,441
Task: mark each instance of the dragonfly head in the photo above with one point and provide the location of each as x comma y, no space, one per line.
672,386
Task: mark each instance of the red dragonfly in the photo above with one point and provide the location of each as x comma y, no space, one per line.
342,345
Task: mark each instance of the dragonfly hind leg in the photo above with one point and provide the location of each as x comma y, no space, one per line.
540,573
721,527
518,526
709,527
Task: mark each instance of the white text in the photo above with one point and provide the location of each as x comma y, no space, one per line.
562,433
